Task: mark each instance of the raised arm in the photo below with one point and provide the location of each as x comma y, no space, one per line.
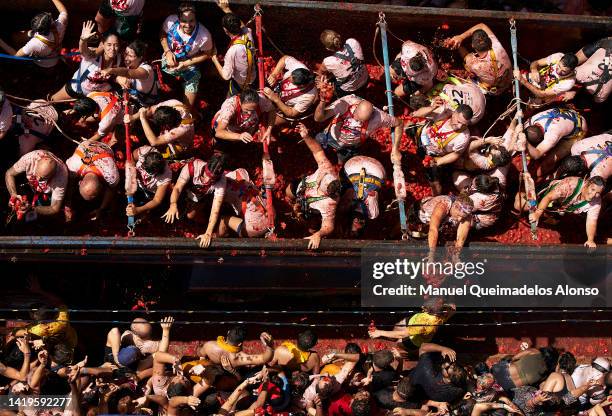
242,359
165,324
321,114
60,6
86,34
446,352
315,148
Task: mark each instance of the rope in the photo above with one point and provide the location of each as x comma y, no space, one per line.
33,59
42,104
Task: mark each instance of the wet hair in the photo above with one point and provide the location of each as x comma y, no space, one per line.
459,377
551,356
139,47
61,354
383,359
236,335
486,184
466,110
85,107
464,407
597,180
360,407
306,340
331,40
153,163
433,306
418,101
326,391
397,67
166,117
567,362
299,383
177,389
210,404
405,388
502,158
352,348
481,41
231,23
185,7
571,166
249,95
417,62
216,165
534,134
41,23
334,189
481,368
302,76
570,60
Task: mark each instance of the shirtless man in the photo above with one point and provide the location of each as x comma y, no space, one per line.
298,356
595,69
551,79
228,350
489,63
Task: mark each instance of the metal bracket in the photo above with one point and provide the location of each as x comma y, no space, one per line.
381,18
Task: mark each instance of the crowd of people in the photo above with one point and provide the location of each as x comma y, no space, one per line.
406,375
322,108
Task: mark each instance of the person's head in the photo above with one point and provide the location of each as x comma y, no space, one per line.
41,23
456,374
433,306
166,118
534,134
418,101
462,207
90,186
110,45
500,156
299,383
364,111
382,360
231,24
358,223
461,117
307,340
129,355
236,335
213,169
567,362
405,388
464,407
486,184
396,71
187,18
134,54
352,348
334,189
249,100
179,386
481,368
567,64
593,188
301,76
153,163
571,166
324,387
142,328
61,354
360,404
481,42
550,356
85,107
125,405
332,41
45,169
417,62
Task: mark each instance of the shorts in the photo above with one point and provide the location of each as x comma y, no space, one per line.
108,355
126,27
501,372
344,153
72,92
190,77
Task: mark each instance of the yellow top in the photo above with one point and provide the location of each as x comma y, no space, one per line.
331,369
424,329
299,355
225,346
187,366
59,330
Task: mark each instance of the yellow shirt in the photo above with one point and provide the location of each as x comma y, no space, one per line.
424,329
58,331
300,356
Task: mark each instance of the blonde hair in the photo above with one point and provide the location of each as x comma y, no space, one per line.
331,40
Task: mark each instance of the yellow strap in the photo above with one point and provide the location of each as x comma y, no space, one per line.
494,63
362,177
449,100
225,346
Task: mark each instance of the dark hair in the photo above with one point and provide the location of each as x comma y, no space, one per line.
534,134
383,359
397,67
550,356
139,47
459,377
418,101
236,335
481,41
61,354
85,107
177,389
405,388
41,23
185,7
571,166
433,305
502,158
166,117
417,62
481,368
466,110
570,60
210,403
567,362
299,382
249,95
302,76
306,340
597,180
216,164
108,34
464,407
360,407
232,23
153,163
334,189
352,348
326,391
486,184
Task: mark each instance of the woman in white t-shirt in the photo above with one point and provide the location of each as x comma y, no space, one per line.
154,179
45,37
136,76
346,65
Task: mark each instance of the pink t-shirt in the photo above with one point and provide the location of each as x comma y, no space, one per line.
426,75
564,188
494,69
236,64
146,181
316,185
111,111
439,138
593,148
185,131
372,167
348,131
342,69
298,98
242,121
105,165
38,48
559,128
56,187
197,186
469,94
242,194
